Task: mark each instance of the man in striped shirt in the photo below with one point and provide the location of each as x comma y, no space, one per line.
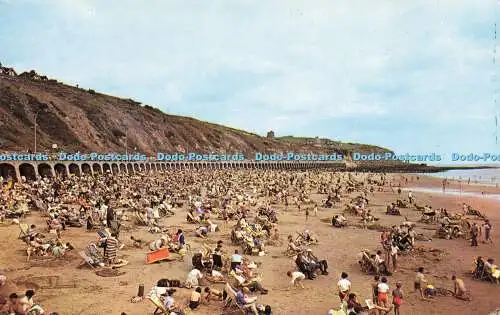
111,249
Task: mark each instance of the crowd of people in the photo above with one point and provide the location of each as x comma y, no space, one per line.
209,200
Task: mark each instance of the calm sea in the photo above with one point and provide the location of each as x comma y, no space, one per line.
480,176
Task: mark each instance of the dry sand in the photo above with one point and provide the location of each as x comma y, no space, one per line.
63,287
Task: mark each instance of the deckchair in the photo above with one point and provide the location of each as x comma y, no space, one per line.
160,308
230,302
140,219
157,255
24,231
192,218
86,259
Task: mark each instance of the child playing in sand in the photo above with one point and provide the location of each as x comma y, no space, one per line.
397,298
211,294
420,281
459,289
297,278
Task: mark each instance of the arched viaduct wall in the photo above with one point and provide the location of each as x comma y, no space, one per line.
33,169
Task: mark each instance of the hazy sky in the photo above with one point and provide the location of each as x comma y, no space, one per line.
415,76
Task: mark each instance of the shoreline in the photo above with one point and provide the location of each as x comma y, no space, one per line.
412,168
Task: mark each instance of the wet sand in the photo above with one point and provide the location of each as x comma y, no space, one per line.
87,293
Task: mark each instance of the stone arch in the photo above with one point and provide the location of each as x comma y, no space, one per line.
60,170
74,169
8,170
45,170
97,168
142,167
86,169
136,167
105,168
130,168
123,168
114,168
28,171
148,167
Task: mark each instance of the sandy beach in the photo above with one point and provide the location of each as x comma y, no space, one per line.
61,285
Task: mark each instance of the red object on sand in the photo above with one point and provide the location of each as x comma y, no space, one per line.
157,255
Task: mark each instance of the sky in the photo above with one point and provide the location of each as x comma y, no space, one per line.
414,76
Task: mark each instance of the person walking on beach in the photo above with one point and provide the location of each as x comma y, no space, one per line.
410,197
397,298
487,232
474,232
307,213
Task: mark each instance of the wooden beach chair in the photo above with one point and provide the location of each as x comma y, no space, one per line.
160,308
157,255
24,229
191,219
230,302
86,260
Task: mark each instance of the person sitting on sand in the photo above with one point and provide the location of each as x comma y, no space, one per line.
459,289
195,299
14,305
292,246
492,268
355,308
159,243
170,304
297,278
202,232
58,250
138,243
28,304
246,302
211,294
193,278
4,306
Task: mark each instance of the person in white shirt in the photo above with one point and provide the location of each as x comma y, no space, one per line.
236,259
394,256
383,293
344,286
297,278
193,277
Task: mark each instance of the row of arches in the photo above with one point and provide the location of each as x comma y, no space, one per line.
33,170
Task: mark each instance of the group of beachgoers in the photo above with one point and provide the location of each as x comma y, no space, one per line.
210,199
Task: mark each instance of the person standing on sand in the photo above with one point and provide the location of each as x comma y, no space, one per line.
397,298
474,232
307,213
487,232
344,286
419,283
315,209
